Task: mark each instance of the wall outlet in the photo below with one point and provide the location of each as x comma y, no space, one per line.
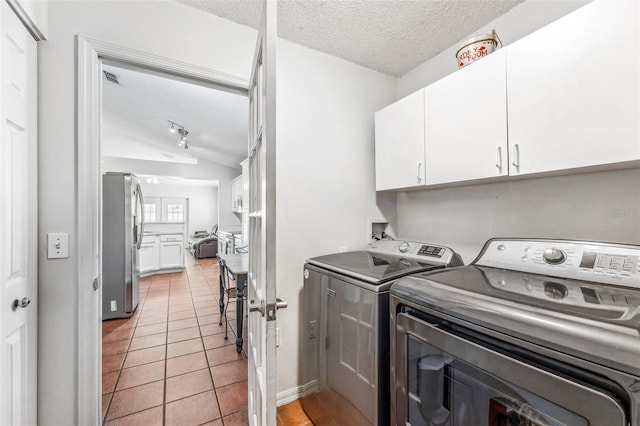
114,306
342,249
313,329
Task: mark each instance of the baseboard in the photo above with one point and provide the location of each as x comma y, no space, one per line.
161,271
298,392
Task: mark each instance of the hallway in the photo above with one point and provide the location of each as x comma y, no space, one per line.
169,364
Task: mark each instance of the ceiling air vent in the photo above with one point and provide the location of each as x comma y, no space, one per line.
111,77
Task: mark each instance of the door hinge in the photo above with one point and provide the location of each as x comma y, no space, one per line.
96,283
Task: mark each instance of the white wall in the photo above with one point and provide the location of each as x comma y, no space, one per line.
325,173
203,170
163,28
203,202
594,206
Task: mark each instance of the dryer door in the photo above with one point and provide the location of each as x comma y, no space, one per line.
444,379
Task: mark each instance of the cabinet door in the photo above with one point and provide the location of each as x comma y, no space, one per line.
236,194
466,123
171,255
573,90
400,143
245,185
148,255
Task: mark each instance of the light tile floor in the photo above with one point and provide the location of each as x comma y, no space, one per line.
169,364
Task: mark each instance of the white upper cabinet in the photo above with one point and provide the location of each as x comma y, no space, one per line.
466,123
565,98
400,151
573,91
236,195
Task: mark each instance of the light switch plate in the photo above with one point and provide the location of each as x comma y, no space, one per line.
57,245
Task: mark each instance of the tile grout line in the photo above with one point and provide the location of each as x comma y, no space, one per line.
230,345
166,350
126,353
209,367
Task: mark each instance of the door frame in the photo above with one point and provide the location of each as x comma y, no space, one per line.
89,56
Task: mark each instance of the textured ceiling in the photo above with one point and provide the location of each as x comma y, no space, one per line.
136,111
390,36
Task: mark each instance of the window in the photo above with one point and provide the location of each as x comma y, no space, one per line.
175,213
151,212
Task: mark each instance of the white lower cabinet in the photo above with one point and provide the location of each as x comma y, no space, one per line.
160,253
148,254
574,91
466,123
171,252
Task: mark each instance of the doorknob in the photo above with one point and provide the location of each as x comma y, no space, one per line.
20,303
256,307
269,310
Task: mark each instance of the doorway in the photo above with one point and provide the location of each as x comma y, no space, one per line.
181,174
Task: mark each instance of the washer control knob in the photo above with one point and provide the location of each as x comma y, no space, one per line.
404,247
554,256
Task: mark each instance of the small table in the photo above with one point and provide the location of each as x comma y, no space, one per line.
238,267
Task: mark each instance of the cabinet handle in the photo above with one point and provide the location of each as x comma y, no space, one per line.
418,171
499,157
516,155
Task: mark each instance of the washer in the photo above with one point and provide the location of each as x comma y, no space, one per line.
534,331
346,327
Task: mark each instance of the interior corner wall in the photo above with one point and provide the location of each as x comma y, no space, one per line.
512,26
164,28
324,172
603,206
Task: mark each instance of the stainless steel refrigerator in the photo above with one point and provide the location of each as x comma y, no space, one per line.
122,230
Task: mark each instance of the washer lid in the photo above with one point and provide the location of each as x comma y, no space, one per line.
371,267
590,320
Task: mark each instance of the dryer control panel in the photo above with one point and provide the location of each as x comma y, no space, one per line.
416,251
617,264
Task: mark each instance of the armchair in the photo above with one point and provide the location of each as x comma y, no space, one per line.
204,244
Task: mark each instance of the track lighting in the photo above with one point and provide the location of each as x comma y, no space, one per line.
182,132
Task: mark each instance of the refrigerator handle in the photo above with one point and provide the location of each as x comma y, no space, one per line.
141,230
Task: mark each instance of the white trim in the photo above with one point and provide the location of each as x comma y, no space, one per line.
87,223
88,116
162,64
297,392
26,20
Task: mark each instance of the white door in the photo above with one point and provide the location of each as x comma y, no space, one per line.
262,225
18,222
466,123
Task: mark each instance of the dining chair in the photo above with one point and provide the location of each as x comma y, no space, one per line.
226,289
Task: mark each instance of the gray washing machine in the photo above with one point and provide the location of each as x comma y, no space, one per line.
346,328
533,332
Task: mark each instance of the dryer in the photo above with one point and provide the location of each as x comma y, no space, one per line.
346,327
